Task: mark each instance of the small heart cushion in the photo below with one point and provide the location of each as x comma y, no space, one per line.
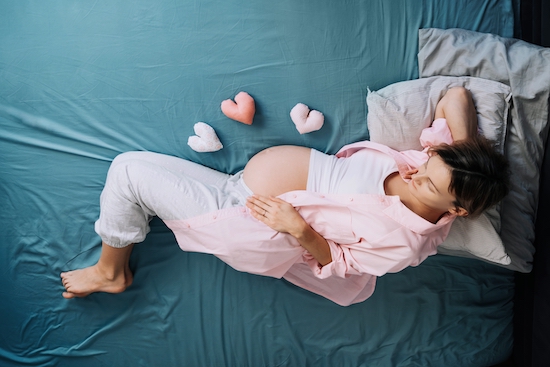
305,120
242,110
205,139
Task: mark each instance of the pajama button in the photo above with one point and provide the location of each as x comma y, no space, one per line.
350,199
214,216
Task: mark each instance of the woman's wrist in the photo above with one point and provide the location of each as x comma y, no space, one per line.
300,232
314,243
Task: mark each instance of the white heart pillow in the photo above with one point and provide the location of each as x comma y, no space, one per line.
398,113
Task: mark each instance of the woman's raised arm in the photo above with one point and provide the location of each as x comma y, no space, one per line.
457,107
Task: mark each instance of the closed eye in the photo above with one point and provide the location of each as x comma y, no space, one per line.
431,184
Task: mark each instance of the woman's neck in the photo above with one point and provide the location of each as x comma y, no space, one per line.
395,185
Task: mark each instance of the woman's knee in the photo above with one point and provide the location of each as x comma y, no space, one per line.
131,161
125,157
122,167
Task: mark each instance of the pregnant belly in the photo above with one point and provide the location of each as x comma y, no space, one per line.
277,170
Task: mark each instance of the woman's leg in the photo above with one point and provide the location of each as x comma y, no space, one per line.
110,274
141,185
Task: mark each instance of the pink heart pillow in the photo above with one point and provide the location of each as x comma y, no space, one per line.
242,110
305,120
205,139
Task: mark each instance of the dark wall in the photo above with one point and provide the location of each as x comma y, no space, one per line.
532,300
535,21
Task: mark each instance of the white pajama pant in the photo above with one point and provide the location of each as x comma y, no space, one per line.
141,185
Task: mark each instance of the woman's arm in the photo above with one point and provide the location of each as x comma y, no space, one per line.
457,107
283,217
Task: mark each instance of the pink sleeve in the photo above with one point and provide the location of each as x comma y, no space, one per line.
338,266
375,261
436,134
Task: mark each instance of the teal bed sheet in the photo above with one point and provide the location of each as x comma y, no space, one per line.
81,82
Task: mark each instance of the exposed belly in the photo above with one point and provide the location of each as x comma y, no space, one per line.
277,170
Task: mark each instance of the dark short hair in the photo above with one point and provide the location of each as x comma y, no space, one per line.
480,175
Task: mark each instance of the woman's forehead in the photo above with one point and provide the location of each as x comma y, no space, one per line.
439,173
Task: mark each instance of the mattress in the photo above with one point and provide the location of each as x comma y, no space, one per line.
82,82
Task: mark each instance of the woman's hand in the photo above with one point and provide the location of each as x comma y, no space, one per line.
277,214
409,173
283,217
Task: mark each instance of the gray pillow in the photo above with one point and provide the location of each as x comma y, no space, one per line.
398,113
526,69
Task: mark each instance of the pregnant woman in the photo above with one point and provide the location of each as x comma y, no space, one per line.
327,223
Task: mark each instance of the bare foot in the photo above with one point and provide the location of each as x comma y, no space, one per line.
82,282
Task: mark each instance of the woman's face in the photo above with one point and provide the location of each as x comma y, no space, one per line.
430,185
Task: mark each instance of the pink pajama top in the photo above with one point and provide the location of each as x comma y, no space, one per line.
369,235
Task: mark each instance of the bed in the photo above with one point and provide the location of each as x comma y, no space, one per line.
82,82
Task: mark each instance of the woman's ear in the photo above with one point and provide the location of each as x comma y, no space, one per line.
459,211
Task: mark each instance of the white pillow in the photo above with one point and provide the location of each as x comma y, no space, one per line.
398,113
